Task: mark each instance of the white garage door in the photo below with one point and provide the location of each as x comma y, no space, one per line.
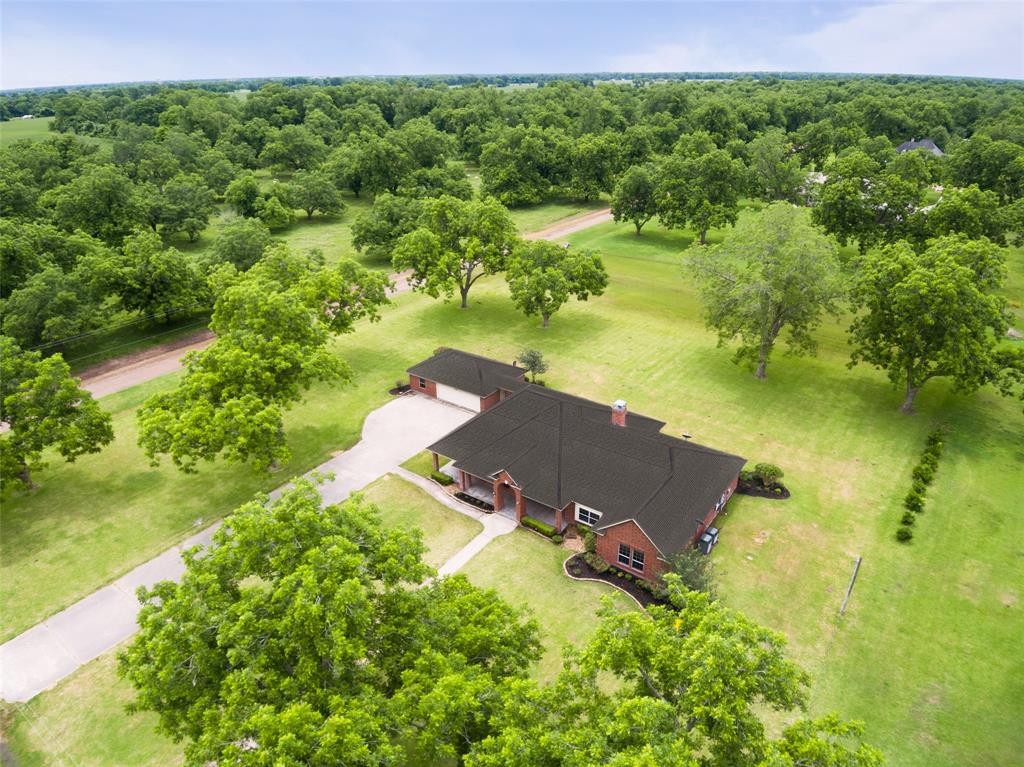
459,397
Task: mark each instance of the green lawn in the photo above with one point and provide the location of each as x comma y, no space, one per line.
526,569
928,653
82,722
35,128
534,217
402,504
422,463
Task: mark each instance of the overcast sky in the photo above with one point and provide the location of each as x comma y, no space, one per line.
62,43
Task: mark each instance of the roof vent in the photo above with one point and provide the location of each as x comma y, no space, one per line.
619,412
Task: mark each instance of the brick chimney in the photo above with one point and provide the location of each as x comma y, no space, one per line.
619,412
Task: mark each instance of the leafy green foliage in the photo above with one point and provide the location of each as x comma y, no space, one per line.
44,408
296,636
457,242
313,191
633,198
241,243
930,315
696,570
534,362
273,324
699,189
543,275
774,272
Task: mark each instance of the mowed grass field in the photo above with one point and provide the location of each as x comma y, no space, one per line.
928,652
34,128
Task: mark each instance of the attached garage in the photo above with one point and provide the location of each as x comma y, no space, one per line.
466,380
459,397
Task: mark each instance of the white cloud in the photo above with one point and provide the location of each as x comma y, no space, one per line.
698,56
983,39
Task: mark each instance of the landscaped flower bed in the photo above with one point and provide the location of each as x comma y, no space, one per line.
762,482
474,501
579,567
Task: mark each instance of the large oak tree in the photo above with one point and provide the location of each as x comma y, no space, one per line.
930,315
457,243
774,272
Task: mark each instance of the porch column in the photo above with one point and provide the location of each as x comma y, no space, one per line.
463,481
498,491
437,462
520,506
558,520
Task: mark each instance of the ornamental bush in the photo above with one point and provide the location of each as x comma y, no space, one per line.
768,473
441,478
914,501
541,527
597,564
908,518
923,473
904,534
589,542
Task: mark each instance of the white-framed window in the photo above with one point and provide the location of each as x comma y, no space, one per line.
587,516
423,383
629,557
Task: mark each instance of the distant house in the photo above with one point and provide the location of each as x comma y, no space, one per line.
27,117
561,459
926,144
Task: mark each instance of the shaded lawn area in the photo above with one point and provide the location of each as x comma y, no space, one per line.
944,611
402,504
526,570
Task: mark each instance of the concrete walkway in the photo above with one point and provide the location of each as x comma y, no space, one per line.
40,657
494,524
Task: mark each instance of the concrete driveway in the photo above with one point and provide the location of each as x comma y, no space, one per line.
39,658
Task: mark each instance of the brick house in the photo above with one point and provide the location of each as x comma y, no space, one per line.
561,459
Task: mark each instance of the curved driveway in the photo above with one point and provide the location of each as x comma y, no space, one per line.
39,658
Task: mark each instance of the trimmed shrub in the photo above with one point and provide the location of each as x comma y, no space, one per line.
904,534
908,518
914,501
930,460
923,473
768,473
441,478
556,538
589,542
541,527
596,563
919,487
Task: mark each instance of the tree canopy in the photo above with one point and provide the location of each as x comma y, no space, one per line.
296,637
272,323
932,314
44,408
457,243
543,275
774,272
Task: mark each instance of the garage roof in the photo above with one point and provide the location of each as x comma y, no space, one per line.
470,372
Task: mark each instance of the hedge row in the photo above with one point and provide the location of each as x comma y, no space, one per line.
922,476
543,528
441,477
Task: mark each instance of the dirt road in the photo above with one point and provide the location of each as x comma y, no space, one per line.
133,369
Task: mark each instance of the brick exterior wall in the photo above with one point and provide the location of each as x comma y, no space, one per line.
430,391
490,401
630,534
713,513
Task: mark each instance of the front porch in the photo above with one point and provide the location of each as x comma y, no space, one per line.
505,497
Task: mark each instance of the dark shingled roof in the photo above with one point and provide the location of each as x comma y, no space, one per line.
925,143
469,372
560,449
